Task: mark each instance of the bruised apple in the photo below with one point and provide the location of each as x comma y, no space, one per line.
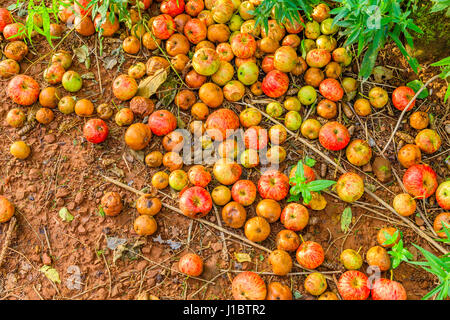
257,229
281,262
191,264
111,203
227,171
315,284
378,256
409,155
404,204
221,124
138,136
350,187
268,209
145,225
358,152
248,285
278,291
234,214
147,204
9,68
195,202
287,240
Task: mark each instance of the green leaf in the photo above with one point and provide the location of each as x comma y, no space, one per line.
65,215
101,212
310,162
50,273
318,185
390,239
346,219
416,85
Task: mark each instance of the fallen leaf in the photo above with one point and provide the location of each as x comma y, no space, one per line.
150,85
82,53
109,62
65,215
405,137
242,257
381,73
51,273
88,76
346,219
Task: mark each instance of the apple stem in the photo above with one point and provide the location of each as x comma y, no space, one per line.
392,274
359,249
301,237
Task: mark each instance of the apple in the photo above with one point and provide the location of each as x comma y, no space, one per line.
419,120
378,256
8,68
190,263
273,185
162,122
248,285
281,262
310,255
328,296
362,107
225,51
124,87
293,120
381,237
172,7
222,11
250,117
20,150
243,45
287,240
378,97
23,90
249,158
173,161
331,89
95,131
255,138
327,27
326,42
291,40
111,203
235,23
275,84
320,12
307,171
402,96
160,180
15,118
6,207
438,224
227,171
5,18
244,192
228,149
318,58
124,117
285,59
274,109
14,31
221,195
350,187
221,124
234,90
327,109
409,155
163,26
315,284
428,141
276,154
234,215
178,179
137,136
420,180
195,202
199,176
278,291
404,204
292,104
351,259
358,152
353,285
275,30
257,229
267,63
310,128
224,74
294,217
312,30
145,225
385,289
443,195
148,204
206,61
307,95
268,209
195,30
334,136
72,81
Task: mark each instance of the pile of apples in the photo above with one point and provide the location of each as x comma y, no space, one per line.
222,56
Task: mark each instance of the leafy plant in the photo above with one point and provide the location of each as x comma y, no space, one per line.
438,266
102,7
283,10
302,189
398,252
445,66
446,229
371,24
440,5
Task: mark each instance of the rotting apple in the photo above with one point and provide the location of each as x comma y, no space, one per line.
404,204
138,136
409,155
358,152
221,195
248,285
420,180
257,229
234,214
16,50
428,141
199,176
351,259
234,90
378,256
313,77
315,284
173,141
329,295
124,117
154,159
268,209
287,240
9,68
327,109
145,225
227,171
278,291
172,161
273,184
350,187
280,261
95,131
111,203
44,116
310,255
191,264
147,204
419,120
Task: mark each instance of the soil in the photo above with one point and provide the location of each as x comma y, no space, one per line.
66,171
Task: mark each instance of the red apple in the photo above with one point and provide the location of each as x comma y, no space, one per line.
255,138
195,30
273,185
267,64
334,136
248,285
294,217
285,59
350,187
199,176
275,84
331,89
443,195
428,141
124,87
420,180
172,7
54,73
385,289
191,264
221,124
23,90
243,45
310,255
318,58
14,31
358,152
244,192
163,26
95,130
5,18
195,202
402,96
161,122
352,285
